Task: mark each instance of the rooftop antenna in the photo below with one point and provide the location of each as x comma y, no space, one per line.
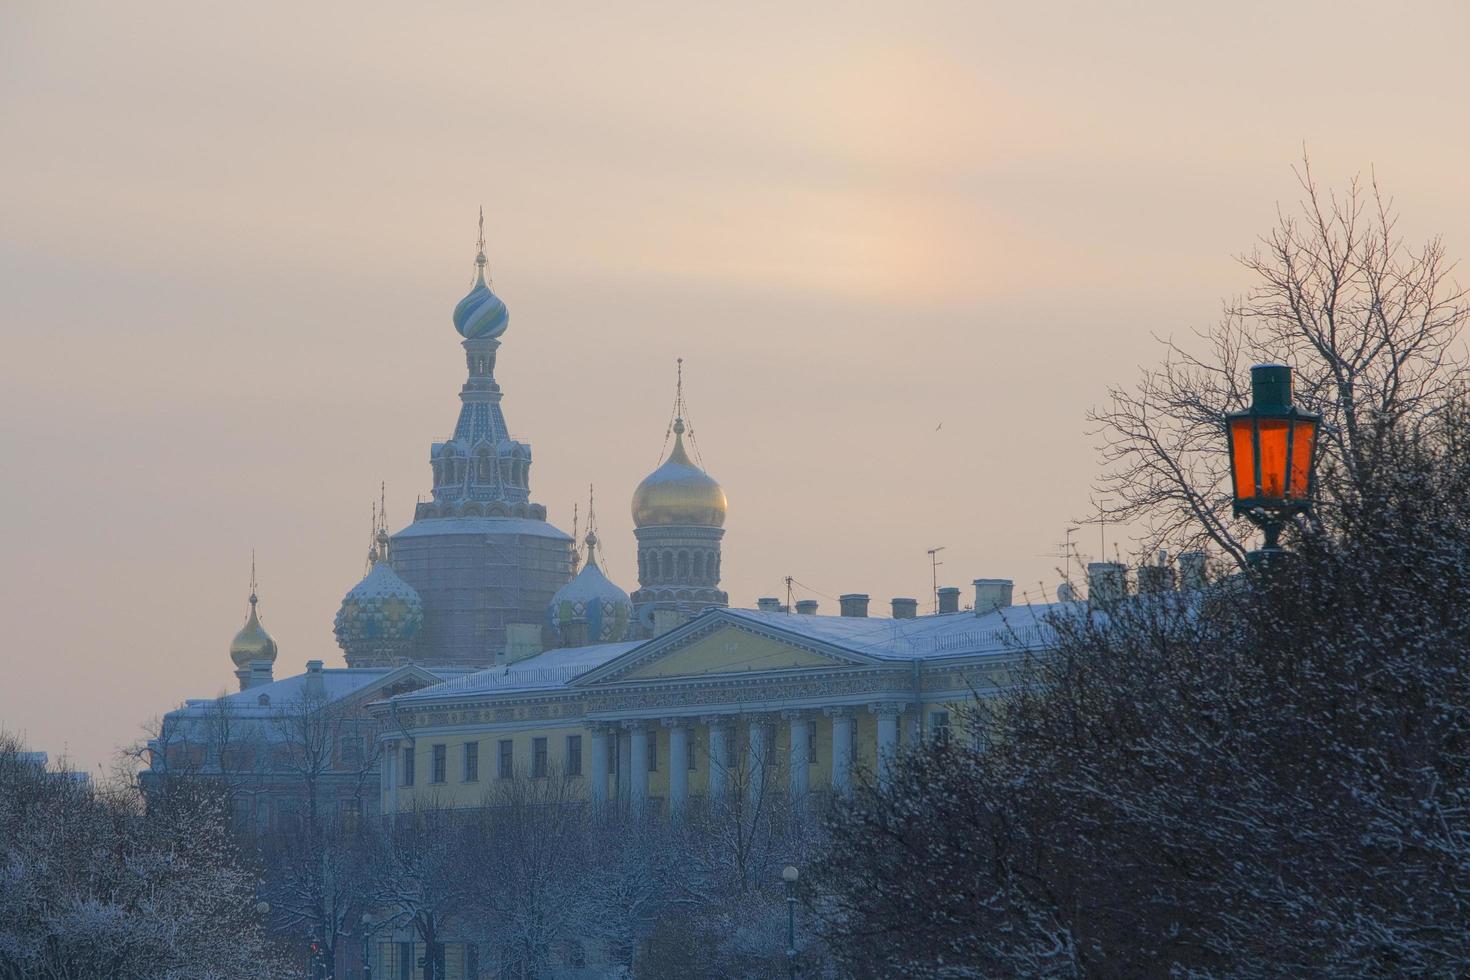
1066,553
934,564
1102,528
790,596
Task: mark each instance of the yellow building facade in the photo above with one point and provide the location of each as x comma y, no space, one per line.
730,701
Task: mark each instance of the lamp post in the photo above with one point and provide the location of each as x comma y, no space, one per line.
789,875
367,938
1273,446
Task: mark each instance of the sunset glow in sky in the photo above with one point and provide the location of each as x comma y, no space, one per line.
902,250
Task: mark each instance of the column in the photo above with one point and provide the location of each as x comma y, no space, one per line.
887,713
625,765
760,740
638,746
841,749
799,757
718,756
597,775
678,763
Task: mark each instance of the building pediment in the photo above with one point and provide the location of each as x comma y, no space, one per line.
717,644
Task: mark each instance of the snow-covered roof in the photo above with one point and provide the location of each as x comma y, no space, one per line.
482,525
545,671
948,635
337,683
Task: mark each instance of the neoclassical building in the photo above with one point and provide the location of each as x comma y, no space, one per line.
732,700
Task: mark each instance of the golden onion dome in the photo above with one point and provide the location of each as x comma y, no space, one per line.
679,492
252,642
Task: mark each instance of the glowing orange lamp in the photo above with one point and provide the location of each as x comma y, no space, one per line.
1273,447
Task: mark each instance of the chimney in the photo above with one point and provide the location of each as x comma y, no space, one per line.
1193,572
905,608
992,594
768,604
806,607
1107,583
854,604
665,620
949,599
313,687
260,673
1066,593
523,640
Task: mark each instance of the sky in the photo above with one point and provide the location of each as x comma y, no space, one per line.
902,249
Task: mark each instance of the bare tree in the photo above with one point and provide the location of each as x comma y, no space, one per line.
1371,327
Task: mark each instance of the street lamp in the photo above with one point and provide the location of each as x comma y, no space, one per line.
1272,448
367,938
789,875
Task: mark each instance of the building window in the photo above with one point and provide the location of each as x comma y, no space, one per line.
408,766
538,758
405,961
472,762
507,758
612,755
574,755
939,726
349,748
811,742
439,765
693,749
653,751
349,814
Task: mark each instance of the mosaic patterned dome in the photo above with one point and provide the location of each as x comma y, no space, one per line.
592,598
380,616
481,315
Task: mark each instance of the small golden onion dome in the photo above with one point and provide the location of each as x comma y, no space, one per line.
252,642
679,492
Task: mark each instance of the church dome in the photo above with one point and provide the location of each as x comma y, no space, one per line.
481,314
592,598
679,492
253,642
381,615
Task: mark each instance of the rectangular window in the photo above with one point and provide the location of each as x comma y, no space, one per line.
574,755
811,742
507,758
538,758
349,814
408,766
472,962
472,762
440,764
939,726
405,961
349,749
653,751
693,747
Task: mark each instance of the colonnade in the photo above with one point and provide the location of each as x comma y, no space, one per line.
627,779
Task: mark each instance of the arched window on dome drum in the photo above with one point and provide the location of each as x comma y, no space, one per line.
642,567
483,475
666,567
683,566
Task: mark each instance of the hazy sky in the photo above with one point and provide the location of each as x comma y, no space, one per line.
231,236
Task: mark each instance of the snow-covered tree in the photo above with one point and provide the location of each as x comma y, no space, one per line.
93,884
1270,778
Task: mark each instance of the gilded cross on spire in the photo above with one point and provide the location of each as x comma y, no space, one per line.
253,599
480,260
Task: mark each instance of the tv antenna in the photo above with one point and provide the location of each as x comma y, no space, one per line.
934,564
